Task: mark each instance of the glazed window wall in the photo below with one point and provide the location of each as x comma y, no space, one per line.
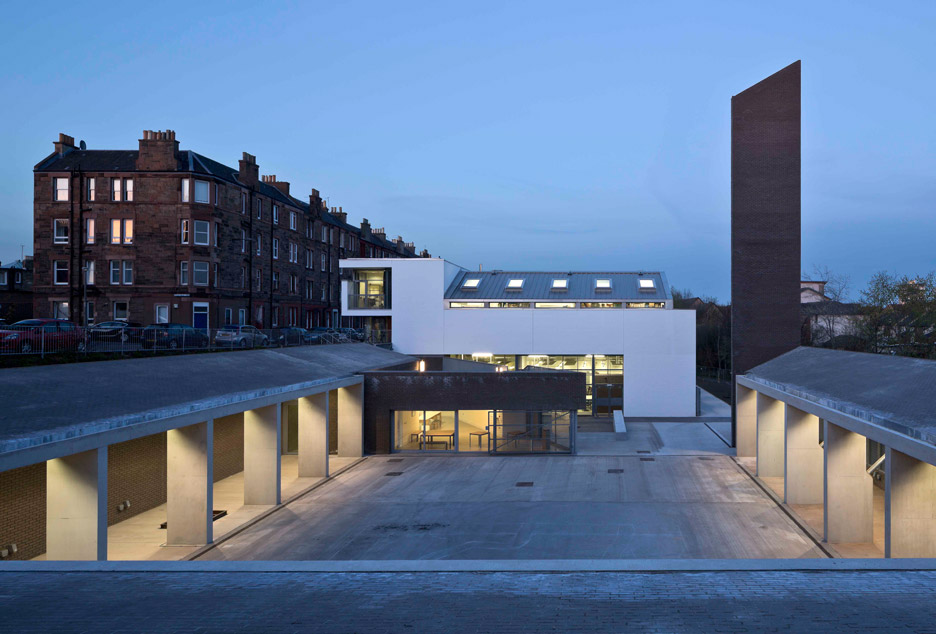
369,289
604,375
484,431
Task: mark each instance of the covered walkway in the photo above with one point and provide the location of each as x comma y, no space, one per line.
848,441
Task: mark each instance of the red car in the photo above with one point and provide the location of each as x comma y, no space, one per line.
41,335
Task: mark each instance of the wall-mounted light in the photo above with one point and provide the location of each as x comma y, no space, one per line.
422,365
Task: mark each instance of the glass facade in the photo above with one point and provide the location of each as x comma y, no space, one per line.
483,431
369,289
604,374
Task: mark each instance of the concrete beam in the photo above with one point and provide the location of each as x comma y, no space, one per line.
76,506
313,436
849,491
746,412
802,470
770,437
262,440
189,484
910,506
351,421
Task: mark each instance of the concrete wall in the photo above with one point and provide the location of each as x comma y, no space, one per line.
23,520
387,391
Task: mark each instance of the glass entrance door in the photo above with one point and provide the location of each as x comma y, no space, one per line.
429,430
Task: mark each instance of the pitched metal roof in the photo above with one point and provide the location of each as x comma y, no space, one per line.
537,285
894,392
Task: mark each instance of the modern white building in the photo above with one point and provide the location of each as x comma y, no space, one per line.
618,328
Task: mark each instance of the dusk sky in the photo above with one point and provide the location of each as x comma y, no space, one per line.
531,136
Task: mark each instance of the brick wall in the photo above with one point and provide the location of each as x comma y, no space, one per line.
228,446
136,471
23,520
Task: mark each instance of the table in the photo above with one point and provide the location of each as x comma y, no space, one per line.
448,436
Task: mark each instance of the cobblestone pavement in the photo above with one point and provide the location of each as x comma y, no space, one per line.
208,602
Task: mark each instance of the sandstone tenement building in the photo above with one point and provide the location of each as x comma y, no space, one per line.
161,234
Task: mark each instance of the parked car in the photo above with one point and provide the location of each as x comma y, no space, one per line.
173,337
42,335
240,337
352,334
122,331
330,335
294,336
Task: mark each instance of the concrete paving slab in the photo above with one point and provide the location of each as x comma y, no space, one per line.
471,508
658,438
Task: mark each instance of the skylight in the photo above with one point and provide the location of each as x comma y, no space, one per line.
647,285
602,285
560,285
471,283
514,285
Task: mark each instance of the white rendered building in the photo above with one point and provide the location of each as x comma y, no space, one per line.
618,328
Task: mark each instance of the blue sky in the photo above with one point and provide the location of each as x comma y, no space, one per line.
536,135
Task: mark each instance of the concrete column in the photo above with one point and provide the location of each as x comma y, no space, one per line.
849,491
313,436
351,421
76,506
770,437
910,506
189,484
802,471
262,439
746,429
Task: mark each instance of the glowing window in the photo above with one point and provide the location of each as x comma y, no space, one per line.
514,285
647,285
602,285
471,283
466,305
560,285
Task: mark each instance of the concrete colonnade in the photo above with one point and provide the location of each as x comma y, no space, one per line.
76,485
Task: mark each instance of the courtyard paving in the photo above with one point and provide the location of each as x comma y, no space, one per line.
699,505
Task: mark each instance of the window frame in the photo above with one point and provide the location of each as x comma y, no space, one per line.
60,222
183,273
113,267
206,189
56,269
126,273
207,233
186,190
116,190
89,230
196,272
90,187
56,190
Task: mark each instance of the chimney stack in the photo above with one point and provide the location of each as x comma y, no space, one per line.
340,215
248,170
424,254
283,186
64,145
365,229
159,151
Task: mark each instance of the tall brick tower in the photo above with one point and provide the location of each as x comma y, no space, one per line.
765,221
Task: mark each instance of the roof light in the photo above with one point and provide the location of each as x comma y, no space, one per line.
514,285
560,284
471,282
647,285
603,285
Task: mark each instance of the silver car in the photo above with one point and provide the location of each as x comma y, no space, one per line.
240,337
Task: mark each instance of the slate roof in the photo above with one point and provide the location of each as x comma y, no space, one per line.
193,162
890,391
537,285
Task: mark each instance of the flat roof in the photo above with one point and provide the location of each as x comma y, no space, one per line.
896,393
47,404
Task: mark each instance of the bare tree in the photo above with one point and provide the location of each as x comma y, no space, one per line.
831,321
